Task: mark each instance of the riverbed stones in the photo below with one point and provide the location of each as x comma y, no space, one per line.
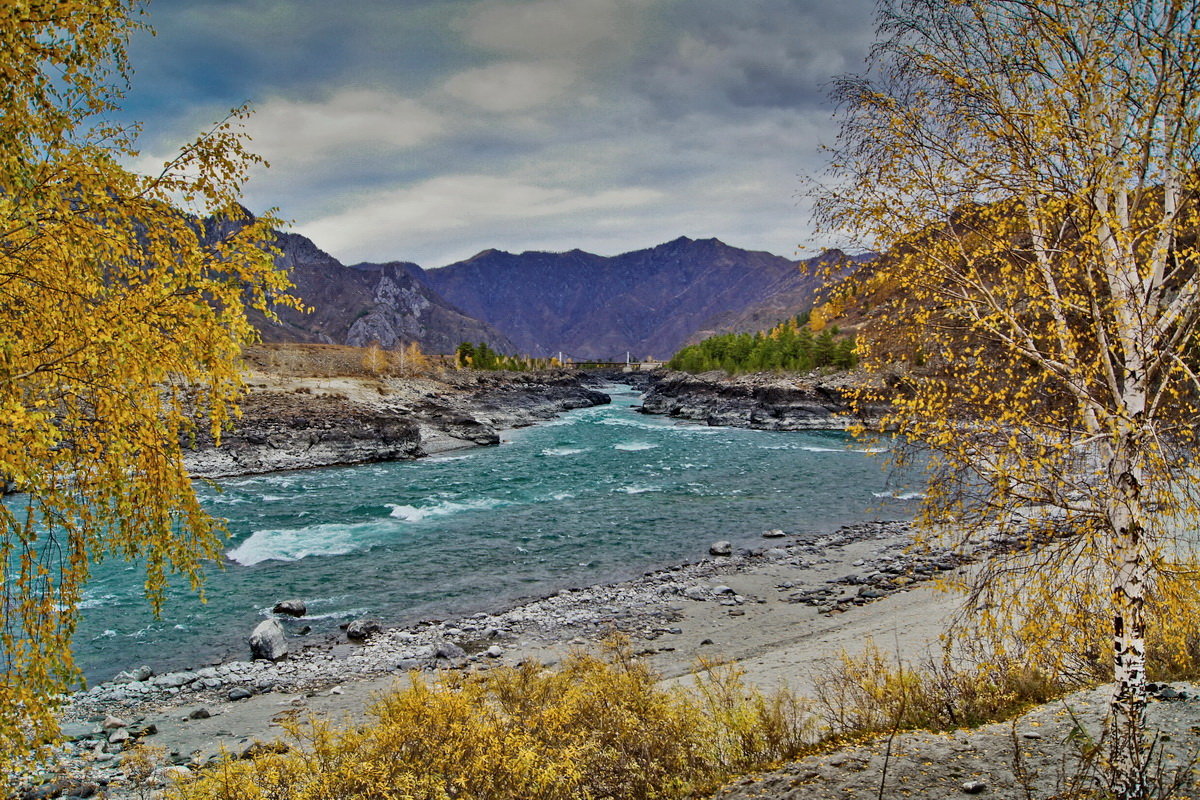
721,548
774,533
290,608
268,642
239,693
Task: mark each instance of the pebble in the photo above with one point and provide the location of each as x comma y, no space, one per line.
974,787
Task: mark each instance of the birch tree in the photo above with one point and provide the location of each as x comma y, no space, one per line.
119,315
1030,167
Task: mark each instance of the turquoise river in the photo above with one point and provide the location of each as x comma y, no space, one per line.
595,495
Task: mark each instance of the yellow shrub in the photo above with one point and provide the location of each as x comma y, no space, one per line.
594,728
872,692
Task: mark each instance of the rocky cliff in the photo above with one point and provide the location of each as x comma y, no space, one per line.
303,423
765,402
384,303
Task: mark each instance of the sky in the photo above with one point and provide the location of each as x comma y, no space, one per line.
429,130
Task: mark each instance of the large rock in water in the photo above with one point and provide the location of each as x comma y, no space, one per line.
292,608
268,642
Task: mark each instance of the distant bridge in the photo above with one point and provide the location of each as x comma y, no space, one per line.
628,366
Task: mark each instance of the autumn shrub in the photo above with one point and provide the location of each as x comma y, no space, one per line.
594,728
873,692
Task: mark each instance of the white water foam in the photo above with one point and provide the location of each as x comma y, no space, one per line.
638,489
676,427
96,602
633,423
812,449
634,446
900,495
225,500
564,451
331,539
442,508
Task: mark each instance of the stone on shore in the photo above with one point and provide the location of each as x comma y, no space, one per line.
774,533
133,675
721,548
267,642
362,629
112,723
291,608
448,651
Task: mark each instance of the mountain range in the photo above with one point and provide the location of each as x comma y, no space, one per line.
647,303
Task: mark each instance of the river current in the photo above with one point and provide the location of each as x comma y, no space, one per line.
596,495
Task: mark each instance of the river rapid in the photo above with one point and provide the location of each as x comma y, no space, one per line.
597,495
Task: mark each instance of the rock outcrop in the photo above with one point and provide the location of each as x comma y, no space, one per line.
385,303
301,424
281,431
765,402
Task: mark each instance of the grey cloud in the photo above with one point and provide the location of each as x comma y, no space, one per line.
757,53
641,120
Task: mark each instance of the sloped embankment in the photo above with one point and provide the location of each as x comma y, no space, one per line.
300,423
762,401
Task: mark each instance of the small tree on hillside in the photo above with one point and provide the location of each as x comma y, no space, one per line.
374,359
1032,168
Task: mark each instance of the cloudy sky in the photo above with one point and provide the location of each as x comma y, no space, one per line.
428,130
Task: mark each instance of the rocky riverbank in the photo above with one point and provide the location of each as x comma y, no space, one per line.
781,611
764,401
777,609
304,422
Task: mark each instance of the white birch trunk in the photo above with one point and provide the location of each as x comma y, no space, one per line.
1128,703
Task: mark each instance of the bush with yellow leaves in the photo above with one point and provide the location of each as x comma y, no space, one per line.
872,692
595,728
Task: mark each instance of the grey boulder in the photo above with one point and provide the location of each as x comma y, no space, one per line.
291,608
361,629
267,642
